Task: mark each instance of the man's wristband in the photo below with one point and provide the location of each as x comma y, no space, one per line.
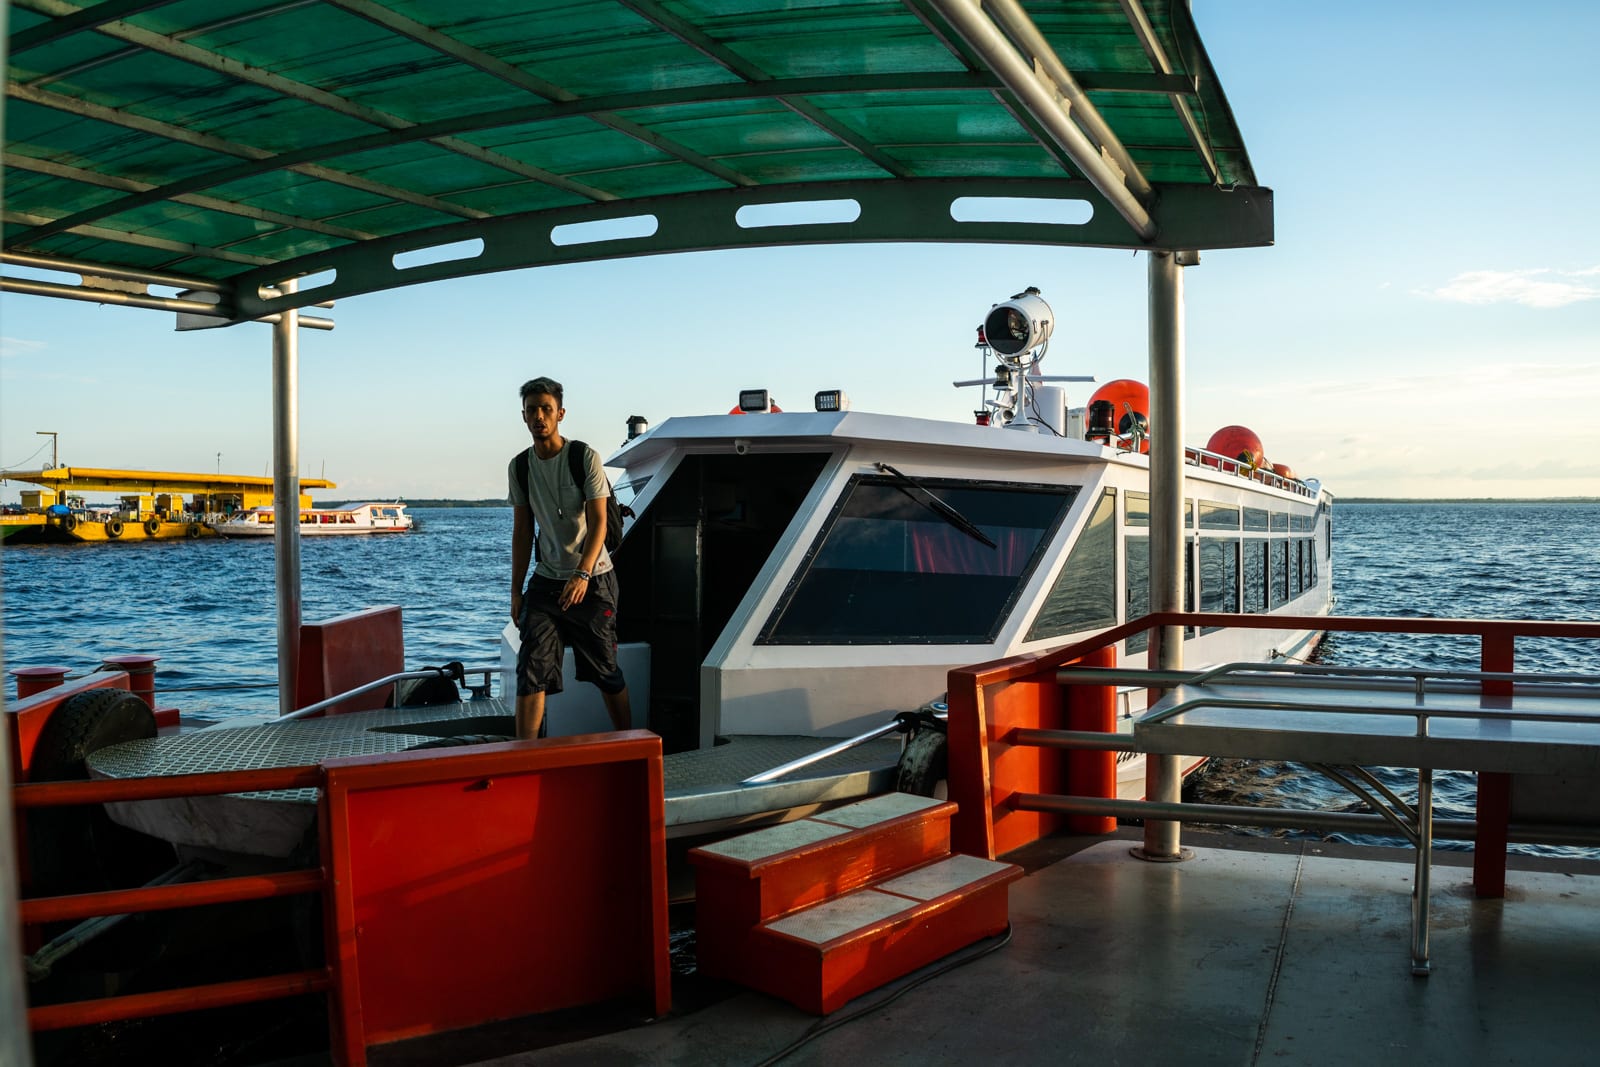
581,573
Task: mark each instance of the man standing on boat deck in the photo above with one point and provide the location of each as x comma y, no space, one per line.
572,596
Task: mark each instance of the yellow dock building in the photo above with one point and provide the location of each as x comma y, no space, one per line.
151,505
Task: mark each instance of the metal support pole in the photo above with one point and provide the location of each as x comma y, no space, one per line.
1163,782
286,495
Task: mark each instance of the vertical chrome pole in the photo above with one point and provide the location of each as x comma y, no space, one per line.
1422,886
1162,779
14,1044
286,495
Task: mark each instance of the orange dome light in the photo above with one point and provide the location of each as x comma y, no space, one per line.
1238,442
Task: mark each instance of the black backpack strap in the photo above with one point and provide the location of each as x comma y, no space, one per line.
578,463
519,463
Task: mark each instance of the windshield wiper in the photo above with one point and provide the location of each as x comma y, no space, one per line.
937,506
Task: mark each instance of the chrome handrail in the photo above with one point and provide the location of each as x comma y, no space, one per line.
901,723
426,672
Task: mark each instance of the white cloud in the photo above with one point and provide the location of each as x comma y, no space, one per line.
1541,288
19,346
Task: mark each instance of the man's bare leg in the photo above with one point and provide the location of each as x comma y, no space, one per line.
530,713
617,707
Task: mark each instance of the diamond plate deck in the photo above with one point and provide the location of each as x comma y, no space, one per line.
701,787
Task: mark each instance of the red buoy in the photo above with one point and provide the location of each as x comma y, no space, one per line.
1130,407
1284,471
1238,442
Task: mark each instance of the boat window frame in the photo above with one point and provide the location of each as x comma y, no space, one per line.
1068,492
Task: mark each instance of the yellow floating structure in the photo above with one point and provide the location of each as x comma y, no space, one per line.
151,505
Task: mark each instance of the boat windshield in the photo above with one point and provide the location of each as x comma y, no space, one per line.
887,570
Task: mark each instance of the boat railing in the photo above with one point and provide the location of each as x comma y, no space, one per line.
166,897
1497,723
454,672
1200,457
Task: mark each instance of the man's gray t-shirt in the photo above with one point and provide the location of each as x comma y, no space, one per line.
558,505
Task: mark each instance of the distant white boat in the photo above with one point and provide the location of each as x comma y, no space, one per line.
368,518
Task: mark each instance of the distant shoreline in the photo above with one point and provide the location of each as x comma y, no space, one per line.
1467,500
501,503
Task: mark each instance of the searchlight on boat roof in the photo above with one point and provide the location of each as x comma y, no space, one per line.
1018,326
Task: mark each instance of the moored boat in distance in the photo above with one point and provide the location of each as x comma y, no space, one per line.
364,518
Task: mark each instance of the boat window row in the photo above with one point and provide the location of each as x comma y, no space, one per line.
944,561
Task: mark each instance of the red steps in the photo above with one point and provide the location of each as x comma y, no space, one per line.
821,910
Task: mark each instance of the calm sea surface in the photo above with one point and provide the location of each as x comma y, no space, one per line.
206,607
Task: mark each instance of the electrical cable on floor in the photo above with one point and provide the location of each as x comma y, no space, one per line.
822,1026
1277,962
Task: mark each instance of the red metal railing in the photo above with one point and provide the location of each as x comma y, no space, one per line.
168,897
989,702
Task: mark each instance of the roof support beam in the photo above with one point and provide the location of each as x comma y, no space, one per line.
476,57
732,61
1045,102
294,90
1140,22
1016,24
96,295
210,203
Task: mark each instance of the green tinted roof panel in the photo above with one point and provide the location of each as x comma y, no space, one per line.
244,141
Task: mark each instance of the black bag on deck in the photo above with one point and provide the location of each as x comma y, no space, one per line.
578,463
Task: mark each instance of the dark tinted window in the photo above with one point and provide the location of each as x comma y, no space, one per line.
1085,592
1219,574
1255,518
1137,550
888,569
1278,572
1136,509
1218,516
1255,575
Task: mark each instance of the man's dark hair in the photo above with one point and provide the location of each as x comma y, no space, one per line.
542,384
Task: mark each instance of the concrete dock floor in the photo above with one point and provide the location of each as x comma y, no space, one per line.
1296,954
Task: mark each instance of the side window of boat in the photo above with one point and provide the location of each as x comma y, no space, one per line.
1085,592
891,568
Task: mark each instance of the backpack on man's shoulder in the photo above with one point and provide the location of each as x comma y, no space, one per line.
578,465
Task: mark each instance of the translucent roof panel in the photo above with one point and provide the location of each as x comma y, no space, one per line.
239,143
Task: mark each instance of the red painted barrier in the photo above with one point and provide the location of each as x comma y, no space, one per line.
508,880
341,654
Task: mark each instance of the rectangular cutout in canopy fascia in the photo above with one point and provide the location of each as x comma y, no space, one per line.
1029,209
303,284
798,213
446,253
623,229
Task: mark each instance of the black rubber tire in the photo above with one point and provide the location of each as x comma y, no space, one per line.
79,849
151,526
924,765
69,523
193,530
113,528
85,723
462,741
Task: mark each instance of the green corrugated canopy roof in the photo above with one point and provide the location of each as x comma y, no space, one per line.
359,145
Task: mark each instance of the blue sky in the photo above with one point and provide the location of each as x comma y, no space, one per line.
1428,323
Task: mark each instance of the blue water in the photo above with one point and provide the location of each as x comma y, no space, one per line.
1486,561
207,607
